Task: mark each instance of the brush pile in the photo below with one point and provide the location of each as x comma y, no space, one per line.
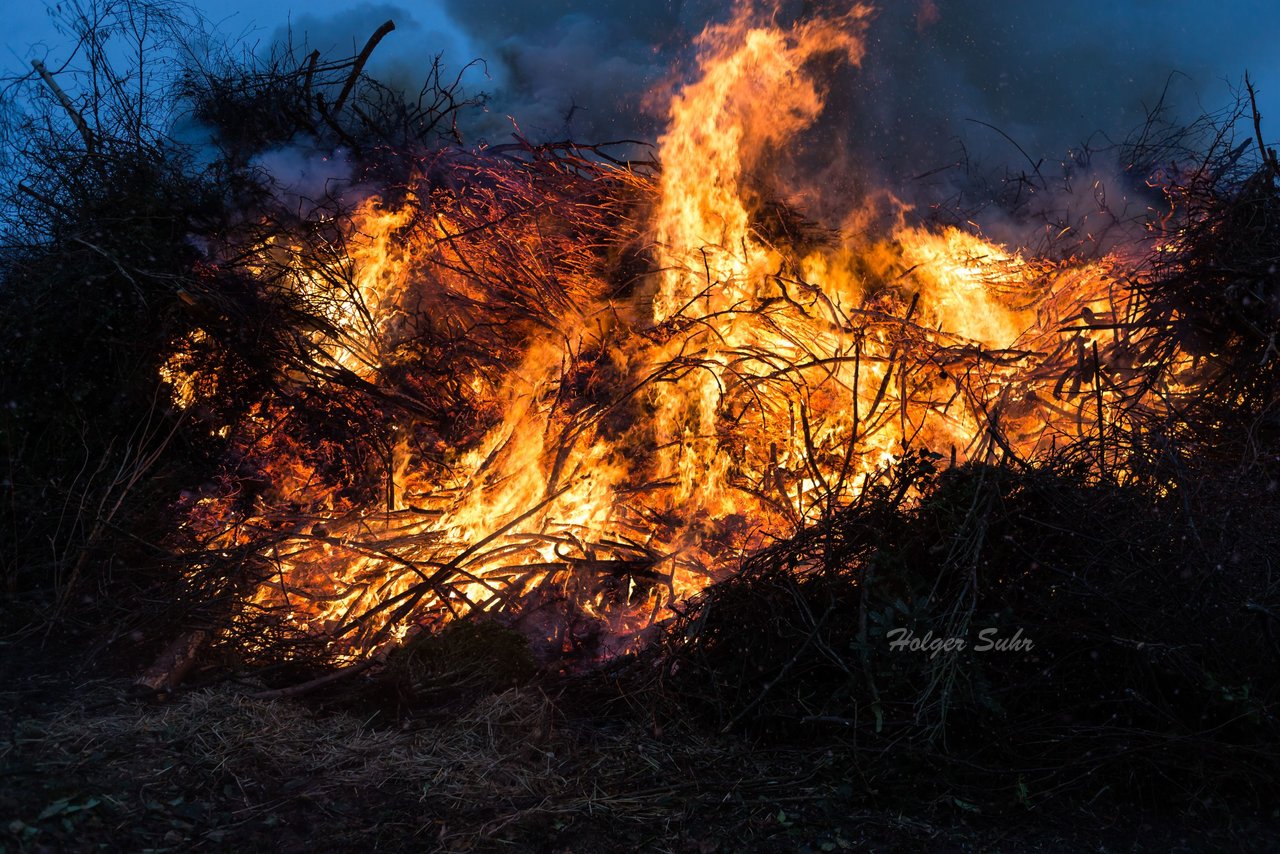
1130,611
474,418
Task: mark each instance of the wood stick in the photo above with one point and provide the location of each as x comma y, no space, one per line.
1268,156
360,61
320,682
81,125
311,73
172,665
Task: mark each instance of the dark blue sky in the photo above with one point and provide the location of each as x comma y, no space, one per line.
1048,73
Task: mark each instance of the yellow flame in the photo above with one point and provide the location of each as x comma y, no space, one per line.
762,388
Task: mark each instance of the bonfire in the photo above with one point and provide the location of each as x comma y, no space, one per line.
575,444
630,409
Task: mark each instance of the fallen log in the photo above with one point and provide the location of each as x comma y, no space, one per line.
173,664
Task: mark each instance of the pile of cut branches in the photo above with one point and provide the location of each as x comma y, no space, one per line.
1142,589
1109,638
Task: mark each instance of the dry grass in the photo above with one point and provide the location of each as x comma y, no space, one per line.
216,766
218,770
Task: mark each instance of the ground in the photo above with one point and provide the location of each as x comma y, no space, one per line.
86,765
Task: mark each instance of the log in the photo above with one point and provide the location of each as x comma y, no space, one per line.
320,682
174,663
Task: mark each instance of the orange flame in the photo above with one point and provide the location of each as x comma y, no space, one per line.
756,388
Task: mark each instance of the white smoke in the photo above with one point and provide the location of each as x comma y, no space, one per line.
404,57
955,88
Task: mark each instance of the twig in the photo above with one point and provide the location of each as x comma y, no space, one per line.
307,687
81,125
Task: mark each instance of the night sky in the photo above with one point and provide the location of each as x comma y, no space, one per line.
1050,75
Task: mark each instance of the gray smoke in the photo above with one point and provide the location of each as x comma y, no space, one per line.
404,57
953,87
1011,87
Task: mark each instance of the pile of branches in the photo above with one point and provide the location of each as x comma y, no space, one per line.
1141,584
1202,328
484,231
1140,634
131,242
1142,589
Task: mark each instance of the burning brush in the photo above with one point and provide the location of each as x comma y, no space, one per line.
568,392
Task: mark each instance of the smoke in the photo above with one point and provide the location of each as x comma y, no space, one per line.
305,177
980,105
1004,84
404,57
955,88
602,103
552,71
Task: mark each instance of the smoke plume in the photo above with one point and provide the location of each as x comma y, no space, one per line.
962,92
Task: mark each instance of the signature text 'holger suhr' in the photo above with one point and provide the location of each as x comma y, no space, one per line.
988,641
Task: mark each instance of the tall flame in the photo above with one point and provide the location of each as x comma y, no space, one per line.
745,389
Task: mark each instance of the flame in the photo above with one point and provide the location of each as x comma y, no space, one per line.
645,441
752,95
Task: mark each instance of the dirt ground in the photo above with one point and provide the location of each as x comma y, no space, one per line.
85,765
